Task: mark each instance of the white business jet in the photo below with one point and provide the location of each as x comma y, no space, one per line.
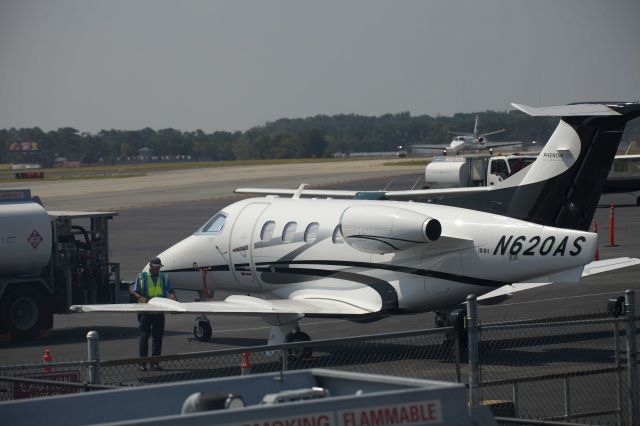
467,142
371,253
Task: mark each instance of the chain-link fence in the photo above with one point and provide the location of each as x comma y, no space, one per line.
578,368
422,353
562,369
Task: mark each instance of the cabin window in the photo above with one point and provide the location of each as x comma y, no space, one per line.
267,230
215,224
311,233
337,235
289,232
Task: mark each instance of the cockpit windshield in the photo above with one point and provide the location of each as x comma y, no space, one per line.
215,225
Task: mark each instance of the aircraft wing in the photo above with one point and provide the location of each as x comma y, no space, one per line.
488,145
413,194
235,304
592,268
422,146
304,192
417,194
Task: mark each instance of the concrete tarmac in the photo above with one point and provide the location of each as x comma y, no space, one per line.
142,231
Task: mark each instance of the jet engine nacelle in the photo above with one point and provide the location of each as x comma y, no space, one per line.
381,229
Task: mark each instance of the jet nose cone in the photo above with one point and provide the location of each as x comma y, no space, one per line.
183,259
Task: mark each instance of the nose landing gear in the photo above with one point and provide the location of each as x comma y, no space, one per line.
202,329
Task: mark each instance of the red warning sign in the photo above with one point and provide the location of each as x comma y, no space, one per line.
35,239
23,390
414,413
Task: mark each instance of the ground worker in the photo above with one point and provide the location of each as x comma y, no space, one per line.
148,285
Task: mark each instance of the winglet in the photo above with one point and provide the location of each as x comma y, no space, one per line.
298,192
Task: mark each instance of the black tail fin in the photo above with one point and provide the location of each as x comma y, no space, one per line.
563,186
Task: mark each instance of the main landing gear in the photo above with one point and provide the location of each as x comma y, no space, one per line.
450,318
285,329
299,353
202,329
453,318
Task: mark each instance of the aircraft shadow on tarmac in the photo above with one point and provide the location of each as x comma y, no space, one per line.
436,357
237,341
546,350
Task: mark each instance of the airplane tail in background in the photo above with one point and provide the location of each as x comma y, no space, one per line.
563,186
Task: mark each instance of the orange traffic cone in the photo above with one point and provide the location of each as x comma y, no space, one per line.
46,359
245,367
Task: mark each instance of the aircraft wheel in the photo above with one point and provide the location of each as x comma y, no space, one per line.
299,353
202,330
24,313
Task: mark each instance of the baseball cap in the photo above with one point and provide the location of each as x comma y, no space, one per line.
155,261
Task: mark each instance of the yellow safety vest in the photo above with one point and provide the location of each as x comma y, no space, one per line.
149,288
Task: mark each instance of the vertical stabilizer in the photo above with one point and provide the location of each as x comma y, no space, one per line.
563,186
475,129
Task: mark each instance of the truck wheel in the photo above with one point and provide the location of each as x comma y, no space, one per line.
24,312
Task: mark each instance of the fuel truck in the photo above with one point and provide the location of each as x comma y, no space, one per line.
50,260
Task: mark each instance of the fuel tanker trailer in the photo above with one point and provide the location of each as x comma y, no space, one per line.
50,260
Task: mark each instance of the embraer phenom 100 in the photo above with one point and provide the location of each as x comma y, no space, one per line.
367,254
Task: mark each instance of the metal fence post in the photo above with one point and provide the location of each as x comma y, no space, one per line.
93,352
632,357
457,354
472,330
616,341
567,399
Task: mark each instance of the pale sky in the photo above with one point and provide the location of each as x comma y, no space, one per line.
233,65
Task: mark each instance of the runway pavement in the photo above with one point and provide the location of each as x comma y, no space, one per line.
182,186
139,232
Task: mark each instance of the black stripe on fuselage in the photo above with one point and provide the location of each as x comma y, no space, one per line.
218,268
387,267
396,268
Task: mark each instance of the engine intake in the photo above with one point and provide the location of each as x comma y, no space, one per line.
382,229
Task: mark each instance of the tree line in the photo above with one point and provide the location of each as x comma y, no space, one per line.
319,136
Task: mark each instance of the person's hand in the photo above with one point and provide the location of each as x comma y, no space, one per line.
143,299
172,296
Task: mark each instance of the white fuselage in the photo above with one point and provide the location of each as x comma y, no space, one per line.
294,248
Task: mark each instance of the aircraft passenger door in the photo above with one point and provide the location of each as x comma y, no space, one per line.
241,245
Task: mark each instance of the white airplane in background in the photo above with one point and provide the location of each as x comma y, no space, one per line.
357,258
467,142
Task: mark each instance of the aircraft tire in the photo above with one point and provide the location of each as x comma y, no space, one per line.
300,353
202,330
